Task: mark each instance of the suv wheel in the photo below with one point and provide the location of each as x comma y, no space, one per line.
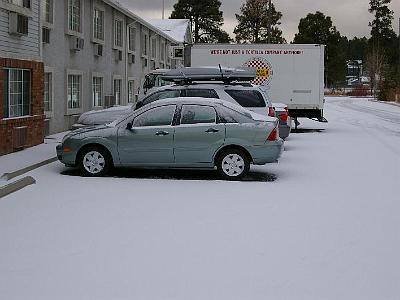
233,164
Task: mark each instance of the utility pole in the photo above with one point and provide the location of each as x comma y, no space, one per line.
163,8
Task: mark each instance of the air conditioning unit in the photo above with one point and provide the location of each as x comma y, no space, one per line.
77,43
45,35
118,55
18,24
98,50
109,101
177,52
26,3
20,137
131,58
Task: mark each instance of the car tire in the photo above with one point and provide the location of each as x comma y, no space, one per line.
233,164
94,161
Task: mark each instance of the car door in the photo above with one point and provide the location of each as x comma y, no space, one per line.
197,136
150,140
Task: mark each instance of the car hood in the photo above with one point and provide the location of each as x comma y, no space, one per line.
104,116
85,130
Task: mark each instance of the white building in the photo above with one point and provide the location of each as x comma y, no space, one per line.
96,53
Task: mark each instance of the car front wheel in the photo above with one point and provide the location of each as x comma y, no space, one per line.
233,164
94,161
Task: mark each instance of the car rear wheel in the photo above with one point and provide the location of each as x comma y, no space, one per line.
233,164
94,161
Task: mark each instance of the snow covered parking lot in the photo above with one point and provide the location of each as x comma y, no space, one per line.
323,223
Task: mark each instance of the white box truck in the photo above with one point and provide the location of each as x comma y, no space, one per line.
291,73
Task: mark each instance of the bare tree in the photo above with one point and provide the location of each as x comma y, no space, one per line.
375,66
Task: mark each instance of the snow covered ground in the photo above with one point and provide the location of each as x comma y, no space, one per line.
323,223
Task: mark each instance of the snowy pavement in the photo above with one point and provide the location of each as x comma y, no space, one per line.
323,223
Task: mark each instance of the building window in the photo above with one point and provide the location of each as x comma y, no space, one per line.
117,91
118,41
131,91
132,38
153,48
98,24
48,95
145,44
74,91
97,91
48,11
74,15
17,92
162,51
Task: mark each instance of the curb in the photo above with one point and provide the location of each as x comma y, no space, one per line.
8,176
16,186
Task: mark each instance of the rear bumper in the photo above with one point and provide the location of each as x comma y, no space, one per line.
268,153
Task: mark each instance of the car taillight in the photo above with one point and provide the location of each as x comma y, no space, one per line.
283,117
271,112
273,135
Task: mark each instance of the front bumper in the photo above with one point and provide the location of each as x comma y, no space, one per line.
68,158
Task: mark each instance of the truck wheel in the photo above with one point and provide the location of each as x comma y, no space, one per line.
94,161
233,164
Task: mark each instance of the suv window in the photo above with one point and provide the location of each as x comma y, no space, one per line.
247,98
159,116
204,93
197,114
160,95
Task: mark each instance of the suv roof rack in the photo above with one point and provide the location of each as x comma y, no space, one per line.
226,75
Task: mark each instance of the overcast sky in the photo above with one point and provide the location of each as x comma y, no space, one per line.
351,17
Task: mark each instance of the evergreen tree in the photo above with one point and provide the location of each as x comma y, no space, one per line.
357,49
383,56
205,17
318,29
258,23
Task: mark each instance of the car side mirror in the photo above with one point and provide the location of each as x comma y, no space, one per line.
129,126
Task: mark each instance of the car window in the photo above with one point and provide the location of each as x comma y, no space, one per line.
203,93
158,116
160,95
228,115
247,98
197,114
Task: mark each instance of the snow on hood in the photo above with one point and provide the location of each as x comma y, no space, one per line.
104,116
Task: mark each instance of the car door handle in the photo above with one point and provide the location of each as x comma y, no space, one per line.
158,133
212,130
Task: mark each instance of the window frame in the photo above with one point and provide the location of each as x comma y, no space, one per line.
95,38
74,110
153,48
115,78
49,113
115,34
129,40
6,100
48,23
97,76
149,111
179,121
70,29
134,95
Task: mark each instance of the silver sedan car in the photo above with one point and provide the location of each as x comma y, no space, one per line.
177,133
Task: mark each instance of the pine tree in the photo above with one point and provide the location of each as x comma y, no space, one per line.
205,17
318,29
258,23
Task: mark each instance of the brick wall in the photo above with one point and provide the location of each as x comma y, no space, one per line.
34,122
